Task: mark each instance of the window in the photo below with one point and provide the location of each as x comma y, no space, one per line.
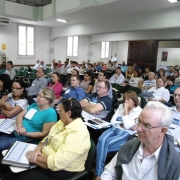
104,50
72,46
26,40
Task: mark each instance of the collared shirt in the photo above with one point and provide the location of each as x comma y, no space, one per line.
43,66
119,80
161,93
149,83
36,66
36,86
67,147
114,58
11,73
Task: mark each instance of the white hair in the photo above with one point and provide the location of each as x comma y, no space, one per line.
167,116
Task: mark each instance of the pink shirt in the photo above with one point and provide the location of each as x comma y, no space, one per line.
57,88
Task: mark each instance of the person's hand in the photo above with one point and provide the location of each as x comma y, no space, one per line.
8,106
4,98
32,156
21,131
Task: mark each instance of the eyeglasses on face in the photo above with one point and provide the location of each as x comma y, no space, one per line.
145,127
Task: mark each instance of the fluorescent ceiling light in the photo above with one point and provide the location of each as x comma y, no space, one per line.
173,1
61,20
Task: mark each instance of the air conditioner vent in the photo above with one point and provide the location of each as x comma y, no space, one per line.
4,21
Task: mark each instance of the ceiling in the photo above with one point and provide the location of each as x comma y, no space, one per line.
110,12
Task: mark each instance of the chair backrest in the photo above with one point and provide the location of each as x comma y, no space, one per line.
114,98
116,86
91,155
135,89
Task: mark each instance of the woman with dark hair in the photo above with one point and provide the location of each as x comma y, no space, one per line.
176,75
145,74
63,152
34,122
56,85
123,126
129,72
171,86
87,83
136,80
160,74
2,68
5,85
12,104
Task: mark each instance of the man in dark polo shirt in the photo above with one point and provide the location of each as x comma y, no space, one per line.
98,104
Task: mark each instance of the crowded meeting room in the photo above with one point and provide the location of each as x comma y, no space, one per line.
89,90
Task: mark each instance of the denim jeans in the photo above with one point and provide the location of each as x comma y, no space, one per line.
110,141
6,141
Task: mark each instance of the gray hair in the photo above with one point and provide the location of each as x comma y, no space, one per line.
167,116
48,94
152,73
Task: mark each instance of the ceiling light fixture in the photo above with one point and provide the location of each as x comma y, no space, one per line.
173,1
61,20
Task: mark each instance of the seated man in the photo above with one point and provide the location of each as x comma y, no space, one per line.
42,65
150,83
101,77
152,155
10,71
75,90
37,64
98,104
36,85
118,77
160,94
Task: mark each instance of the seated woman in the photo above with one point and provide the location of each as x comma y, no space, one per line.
129,72
34,122
5,85
176,75
63,152
2,68
123,126
14,103
160,74
56,85
87,83
145,74
171,86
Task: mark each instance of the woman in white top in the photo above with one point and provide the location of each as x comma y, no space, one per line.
14,103
136,80
123,126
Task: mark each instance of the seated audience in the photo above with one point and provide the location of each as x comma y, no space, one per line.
52,64
176,75
56,85
42,65
123,68
171,86
170,72
160,74
118,77
2,68
5,85
145,74
64,68
63,152
10,71
123,126
82,69
98,67
114,58
104,67
160,94
68,78
73,66
146,157
115,64
87,83
12,104
129,72
136,80
98,104
59,64
151,82
101,77
37,65
75,90
34,122
36,85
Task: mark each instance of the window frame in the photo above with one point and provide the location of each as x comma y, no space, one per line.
105,50
26,26
72,47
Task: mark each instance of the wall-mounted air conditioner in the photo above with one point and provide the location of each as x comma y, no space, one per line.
4,21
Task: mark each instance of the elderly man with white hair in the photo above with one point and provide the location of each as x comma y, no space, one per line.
152,155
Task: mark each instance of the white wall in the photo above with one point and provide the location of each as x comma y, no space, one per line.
9,36
60,49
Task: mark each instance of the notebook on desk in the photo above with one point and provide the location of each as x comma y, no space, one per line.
16,155
7,125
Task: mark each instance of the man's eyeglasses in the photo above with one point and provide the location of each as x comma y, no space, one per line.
15,88
145,127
